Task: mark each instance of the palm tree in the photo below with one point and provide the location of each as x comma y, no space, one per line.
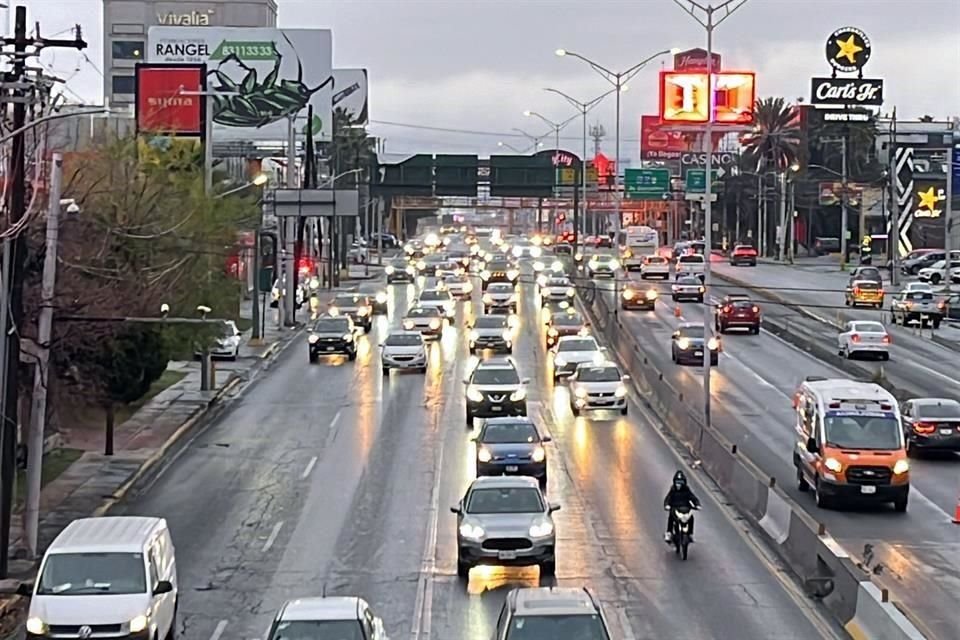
776,141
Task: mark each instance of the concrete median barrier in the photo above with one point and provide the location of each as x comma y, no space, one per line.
823,566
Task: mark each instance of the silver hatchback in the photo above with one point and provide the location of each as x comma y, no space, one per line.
505,521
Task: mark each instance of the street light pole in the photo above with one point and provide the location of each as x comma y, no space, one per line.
557,126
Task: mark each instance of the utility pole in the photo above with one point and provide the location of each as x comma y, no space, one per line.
843,204
289,299
894,241
38,414
17,208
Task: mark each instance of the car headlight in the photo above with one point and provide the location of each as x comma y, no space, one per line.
518,395
381,298
683,343
471,531
541,281
314,283
487,298
138,624
408,324
348,336
536,252
362,311
517,252
620,392
467,287
513,274
580,392
593,264
553,332
539,266
833,464
485,274
389,270
628,294
584,331
513,321
421,265
410,270
557,266
474,335
36,626
474,395
312,339
713,344
652,294
484,455
539,455
334,311
578,257
435,324
560,361
571,292
540,530
614,264
901,467
507,334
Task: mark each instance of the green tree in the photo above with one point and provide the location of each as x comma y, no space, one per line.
776,141
351,147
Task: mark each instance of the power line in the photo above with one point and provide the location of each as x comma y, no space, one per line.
473,132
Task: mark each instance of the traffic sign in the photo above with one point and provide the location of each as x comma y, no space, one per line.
646,184
696,180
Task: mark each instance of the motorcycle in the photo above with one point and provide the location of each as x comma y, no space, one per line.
682,523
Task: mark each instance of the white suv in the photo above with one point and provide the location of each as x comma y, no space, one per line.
323,617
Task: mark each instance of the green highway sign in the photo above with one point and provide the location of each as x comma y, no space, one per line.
646,184
696,181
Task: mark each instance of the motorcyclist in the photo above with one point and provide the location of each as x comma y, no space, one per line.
680,495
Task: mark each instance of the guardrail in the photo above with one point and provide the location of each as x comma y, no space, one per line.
826,570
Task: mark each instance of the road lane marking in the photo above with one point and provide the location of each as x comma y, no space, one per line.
310,466
930,371
336,418
273,536
218,631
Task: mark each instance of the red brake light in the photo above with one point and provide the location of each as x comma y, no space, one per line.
856,291
886,340
726,309
880,292
834,405
756,309
855,337
922,427
885,407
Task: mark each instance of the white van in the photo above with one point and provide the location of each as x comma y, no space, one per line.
107,577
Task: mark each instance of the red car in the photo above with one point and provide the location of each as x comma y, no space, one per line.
738,311
743,254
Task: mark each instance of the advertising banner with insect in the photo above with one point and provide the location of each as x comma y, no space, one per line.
265,76
350,93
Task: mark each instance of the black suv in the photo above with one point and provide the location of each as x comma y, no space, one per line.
494,388
332,335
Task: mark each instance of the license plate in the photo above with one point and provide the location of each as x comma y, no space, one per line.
512,468
330,348
496,407
603,403
946,432
868,489
507,555
698,353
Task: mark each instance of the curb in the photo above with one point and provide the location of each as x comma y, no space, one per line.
825,569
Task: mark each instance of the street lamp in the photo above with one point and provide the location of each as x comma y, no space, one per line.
618,80
258,181
557,126
501,143
583,107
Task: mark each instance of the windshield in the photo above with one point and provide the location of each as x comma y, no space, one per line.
656,260
500,288
513,433
691,332
420,312
318,630
331,325
228,330
557,282
581,627
404,340
70,574
491,322
346,301
583,344
434,295
568,320
505,500
920,295
689,281
498,266
869,327
491,375
862,430
598,374
435,259
942,409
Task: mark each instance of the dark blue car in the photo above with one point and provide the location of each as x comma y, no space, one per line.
511,446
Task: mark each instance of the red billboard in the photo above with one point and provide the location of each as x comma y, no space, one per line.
685,97
659,143
695,60
169,99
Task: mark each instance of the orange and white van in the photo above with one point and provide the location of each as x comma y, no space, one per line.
850,444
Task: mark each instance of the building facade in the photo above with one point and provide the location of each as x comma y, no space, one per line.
126,23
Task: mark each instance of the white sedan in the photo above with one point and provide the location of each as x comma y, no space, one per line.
862,337
438,299
571,351
403,350
655,267
459,287
598,386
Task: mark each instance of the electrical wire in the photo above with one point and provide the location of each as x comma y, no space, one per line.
475,132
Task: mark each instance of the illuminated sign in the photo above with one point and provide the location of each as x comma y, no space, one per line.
685,97
188,19
928,198
846,116
861,92
695,59
161,104
848,49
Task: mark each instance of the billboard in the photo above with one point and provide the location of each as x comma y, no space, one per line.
659,143
684,97
269,75
695,60
350,93
164,104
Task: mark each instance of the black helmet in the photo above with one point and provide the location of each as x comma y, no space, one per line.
680,479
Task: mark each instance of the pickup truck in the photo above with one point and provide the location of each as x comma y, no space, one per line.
917,306
690,265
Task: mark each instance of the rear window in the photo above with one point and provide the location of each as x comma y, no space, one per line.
691,259
433,295
655,260
945,409
870,286
869,327
742,304
920,295
348,301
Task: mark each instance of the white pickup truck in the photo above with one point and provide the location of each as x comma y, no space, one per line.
690,265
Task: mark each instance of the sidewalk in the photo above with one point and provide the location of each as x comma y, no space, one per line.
95,482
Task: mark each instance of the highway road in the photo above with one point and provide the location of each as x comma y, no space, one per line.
334,478
751,395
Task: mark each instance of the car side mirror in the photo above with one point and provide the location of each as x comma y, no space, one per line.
603,348
466,381
455,509
546,439
25,589
164,586
812,446
554,507
525,381
625,377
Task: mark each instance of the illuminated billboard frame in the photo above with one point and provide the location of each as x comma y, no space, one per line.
683,97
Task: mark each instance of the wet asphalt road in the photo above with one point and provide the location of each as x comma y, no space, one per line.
751,394
334,478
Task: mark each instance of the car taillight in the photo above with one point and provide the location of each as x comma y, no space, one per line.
880,292
923,427
855,337
756,309
886,340
856,291
726,309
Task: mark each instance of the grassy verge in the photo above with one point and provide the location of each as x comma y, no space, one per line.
168,379
54,463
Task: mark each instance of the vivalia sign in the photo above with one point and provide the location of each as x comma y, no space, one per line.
168,100
860,92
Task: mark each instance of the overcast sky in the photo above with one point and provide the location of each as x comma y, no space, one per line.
478,64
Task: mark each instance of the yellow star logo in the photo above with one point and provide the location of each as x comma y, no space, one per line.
848,49
928,199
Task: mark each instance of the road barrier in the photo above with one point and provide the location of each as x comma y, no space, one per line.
825,569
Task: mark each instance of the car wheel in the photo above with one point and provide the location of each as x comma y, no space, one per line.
756,330
935,278
548,568
351,356
463,568
386,371
885,356
673,356
823,502
674,298
624,411
900,504
574,410
543,480
715,362
313,359
510,351
802,485
700,300
469,419
936,323
423,369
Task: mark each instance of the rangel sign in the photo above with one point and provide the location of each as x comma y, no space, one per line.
162,107
863,92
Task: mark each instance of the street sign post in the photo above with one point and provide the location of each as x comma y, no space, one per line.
646,184
696,180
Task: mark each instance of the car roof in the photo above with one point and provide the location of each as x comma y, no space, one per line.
321,608
690,325
496,363
931,401
572,338
504,482
509,420
606,364
553,601
401,332
118,534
